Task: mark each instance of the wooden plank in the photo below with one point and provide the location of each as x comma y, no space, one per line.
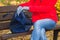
7,8
8,17
4,25
6,36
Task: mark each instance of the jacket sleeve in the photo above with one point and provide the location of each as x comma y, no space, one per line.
45,8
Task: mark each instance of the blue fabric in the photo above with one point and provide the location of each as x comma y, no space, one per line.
39,29
20,23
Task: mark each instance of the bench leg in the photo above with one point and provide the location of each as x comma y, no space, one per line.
55,36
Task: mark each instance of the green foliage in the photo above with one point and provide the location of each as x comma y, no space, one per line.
8,2
17,0
2,1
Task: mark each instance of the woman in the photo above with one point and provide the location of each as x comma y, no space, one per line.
43,16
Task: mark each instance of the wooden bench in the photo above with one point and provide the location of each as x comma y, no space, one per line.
4,23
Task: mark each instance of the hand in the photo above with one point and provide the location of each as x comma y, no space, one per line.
19,9
25,8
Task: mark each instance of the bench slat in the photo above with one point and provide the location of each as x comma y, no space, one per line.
4,9
4,25
6,36
8,17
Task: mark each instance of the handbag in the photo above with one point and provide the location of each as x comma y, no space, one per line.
20,23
